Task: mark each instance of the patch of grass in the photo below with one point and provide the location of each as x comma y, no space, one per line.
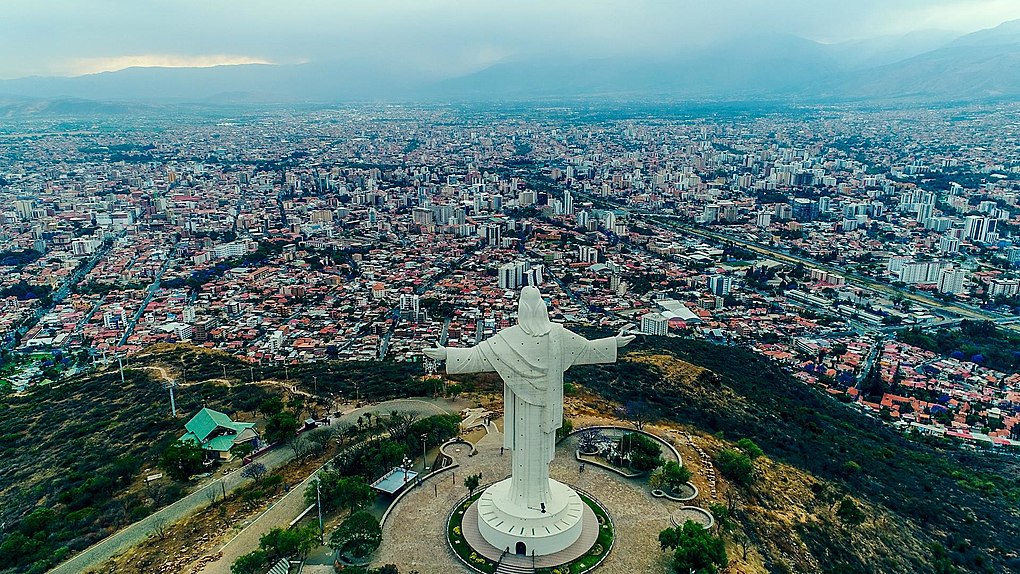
456,535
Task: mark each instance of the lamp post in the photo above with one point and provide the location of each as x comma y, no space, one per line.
424,459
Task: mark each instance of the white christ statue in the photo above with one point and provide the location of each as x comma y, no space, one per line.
530,357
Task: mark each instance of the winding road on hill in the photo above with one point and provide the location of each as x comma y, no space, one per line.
137,532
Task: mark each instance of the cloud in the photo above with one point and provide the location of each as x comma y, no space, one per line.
81,66
439,37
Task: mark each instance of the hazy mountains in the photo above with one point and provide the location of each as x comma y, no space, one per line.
931,65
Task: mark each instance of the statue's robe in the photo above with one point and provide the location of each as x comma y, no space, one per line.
532,371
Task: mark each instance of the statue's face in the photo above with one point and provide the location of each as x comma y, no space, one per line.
532,315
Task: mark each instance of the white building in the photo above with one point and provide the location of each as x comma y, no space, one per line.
654,324
921,272
951,281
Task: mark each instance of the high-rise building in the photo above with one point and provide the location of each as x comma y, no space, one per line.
921,272
823,204
951,280
587,254
804,209
493,234
948,244
568,202
720,284
976,228
1013,254
1004,287
25,208
512,275
654,324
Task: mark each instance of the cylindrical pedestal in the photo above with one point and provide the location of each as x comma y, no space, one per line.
530,531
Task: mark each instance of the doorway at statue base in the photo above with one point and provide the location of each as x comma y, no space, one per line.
530,531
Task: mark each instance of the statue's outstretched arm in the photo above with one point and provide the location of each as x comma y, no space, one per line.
597,351
459,360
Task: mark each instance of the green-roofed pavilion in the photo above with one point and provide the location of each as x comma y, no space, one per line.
217,433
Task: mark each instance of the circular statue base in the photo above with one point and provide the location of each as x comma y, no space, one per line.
586,552
530,531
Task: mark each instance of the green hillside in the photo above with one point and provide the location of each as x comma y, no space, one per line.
962,507
74,453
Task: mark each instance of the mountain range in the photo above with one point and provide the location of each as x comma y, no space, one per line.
933,66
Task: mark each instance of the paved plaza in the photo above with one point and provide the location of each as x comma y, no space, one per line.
414,536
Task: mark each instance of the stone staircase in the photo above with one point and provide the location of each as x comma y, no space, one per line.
515,564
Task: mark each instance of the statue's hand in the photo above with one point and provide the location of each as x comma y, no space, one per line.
624,337
623,340
437,353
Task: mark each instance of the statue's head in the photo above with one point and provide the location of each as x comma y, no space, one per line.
532,314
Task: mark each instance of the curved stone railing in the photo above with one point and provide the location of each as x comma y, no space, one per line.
604,466
668,444
698,509
587,460
664,494
458,440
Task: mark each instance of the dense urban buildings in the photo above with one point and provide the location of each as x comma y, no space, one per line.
370,233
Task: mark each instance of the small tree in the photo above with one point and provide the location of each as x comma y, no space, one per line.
360,533
282,543
271,406
674,475
160,527
637,412
338,491
750,448
694,549
242,449
182,459
735,466
565,429
250,563
320,437
589,440
255,471
472,482
849,512
281,427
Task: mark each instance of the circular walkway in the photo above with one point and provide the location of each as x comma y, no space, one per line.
414,537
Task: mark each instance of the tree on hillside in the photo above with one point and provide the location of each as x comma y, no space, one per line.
182,459
849,512
281,427
255,471
695,550
637,412
271,406
735,466
750,448
283,543
250,563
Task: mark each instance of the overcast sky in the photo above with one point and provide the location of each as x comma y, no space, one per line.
441,37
